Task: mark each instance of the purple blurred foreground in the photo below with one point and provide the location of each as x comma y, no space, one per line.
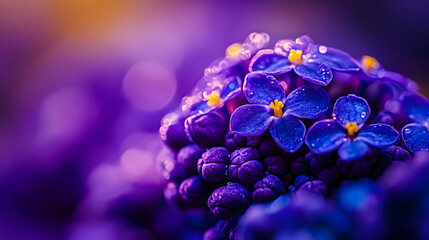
85,83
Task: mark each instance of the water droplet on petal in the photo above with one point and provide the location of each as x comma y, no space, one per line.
323,49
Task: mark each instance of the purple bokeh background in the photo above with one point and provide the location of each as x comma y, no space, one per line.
85,83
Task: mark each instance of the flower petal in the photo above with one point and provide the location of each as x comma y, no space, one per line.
352,150
378,135
416,137
308,101
270,62
251,119
262,88
325,136
316,73
333,58
288,132
231,88
304,41
416,107
351,108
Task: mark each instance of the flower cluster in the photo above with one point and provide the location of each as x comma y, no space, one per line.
394,208
266,124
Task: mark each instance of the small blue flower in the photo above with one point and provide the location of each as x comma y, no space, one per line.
373,71
269,107
223,79
416,135
237,56
347,133
219,93
311,62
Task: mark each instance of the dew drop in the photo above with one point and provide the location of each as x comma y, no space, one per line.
323,49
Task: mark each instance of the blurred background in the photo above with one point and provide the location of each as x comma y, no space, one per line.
85,83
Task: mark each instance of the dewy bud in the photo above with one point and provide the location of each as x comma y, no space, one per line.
228,199
208,129
213,164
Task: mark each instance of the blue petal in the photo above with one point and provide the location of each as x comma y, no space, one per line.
262,88
308,101
288,132
325,136
416,107
378,135
270,62
351,108
200,106
416,137
251,119
316,73
333,58
352,150
231,88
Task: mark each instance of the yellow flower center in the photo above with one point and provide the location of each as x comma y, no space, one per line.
352,129
214,99
295,56
233,51
369,63
277,106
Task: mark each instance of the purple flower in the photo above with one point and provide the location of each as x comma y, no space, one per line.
188,157
269,107
347,133
268,189
361,168
194,191
384,117
372,71
245,167
216,232
214,164
227,200
171,169
237,56
330,176
222,82
221,92
207,129
298,167
314,187
318,162
171,194
387,156
275,165
311,62
268,147
371,68
233,141
416,135
175,136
